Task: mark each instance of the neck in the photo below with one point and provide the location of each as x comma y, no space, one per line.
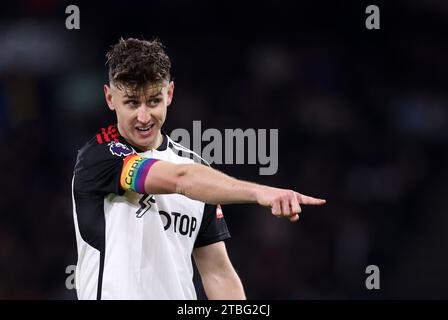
158,141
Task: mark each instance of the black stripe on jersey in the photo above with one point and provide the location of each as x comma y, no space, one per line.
92,227
186,153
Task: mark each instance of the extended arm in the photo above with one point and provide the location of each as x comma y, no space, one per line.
203,183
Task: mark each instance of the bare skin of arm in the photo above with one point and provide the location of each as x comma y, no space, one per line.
218,276
208,185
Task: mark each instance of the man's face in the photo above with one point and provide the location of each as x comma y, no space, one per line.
141,114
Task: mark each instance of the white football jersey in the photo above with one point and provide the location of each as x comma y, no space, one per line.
131,245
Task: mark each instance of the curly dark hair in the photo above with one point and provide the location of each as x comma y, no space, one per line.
133,63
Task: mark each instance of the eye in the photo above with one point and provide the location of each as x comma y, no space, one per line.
132,103
154,102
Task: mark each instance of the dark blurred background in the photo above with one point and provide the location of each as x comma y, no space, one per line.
362,118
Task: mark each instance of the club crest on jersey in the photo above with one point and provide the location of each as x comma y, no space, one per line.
219,214
119,149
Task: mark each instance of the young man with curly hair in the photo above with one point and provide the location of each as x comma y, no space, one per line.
143,204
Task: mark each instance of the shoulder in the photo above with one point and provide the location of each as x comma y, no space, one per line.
99,163
105,145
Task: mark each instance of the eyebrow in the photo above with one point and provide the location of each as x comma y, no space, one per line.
136,97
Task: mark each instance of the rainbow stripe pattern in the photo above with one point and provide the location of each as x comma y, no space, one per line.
134,172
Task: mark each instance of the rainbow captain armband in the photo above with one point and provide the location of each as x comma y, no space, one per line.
135,170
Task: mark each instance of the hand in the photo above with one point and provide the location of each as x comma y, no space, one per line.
284,203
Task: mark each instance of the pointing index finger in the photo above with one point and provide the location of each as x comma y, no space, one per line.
303,199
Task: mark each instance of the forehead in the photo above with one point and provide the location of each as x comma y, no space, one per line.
149,90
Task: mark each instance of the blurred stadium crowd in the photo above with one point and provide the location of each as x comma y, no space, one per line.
362,118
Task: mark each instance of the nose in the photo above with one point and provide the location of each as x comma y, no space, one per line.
144,114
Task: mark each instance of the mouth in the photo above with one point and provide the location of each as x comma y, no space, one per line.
143,129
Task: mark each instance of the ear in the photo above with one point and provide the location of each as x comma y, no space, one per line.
170,92
108,96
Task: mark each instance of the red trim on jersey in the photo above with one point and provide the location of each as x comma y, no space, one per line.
219,213
108,134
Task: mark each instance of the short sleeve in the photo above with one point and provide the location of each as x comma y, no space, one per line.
98,167
213,227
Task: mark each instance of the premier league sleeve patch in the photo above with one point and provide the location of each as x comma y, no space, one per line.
120,149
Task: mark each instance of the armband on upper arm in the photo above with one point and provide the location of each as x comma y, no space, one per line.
134,172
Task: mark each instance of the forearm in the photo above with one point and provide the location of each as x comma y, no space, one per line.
208,185
223,287
218,276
